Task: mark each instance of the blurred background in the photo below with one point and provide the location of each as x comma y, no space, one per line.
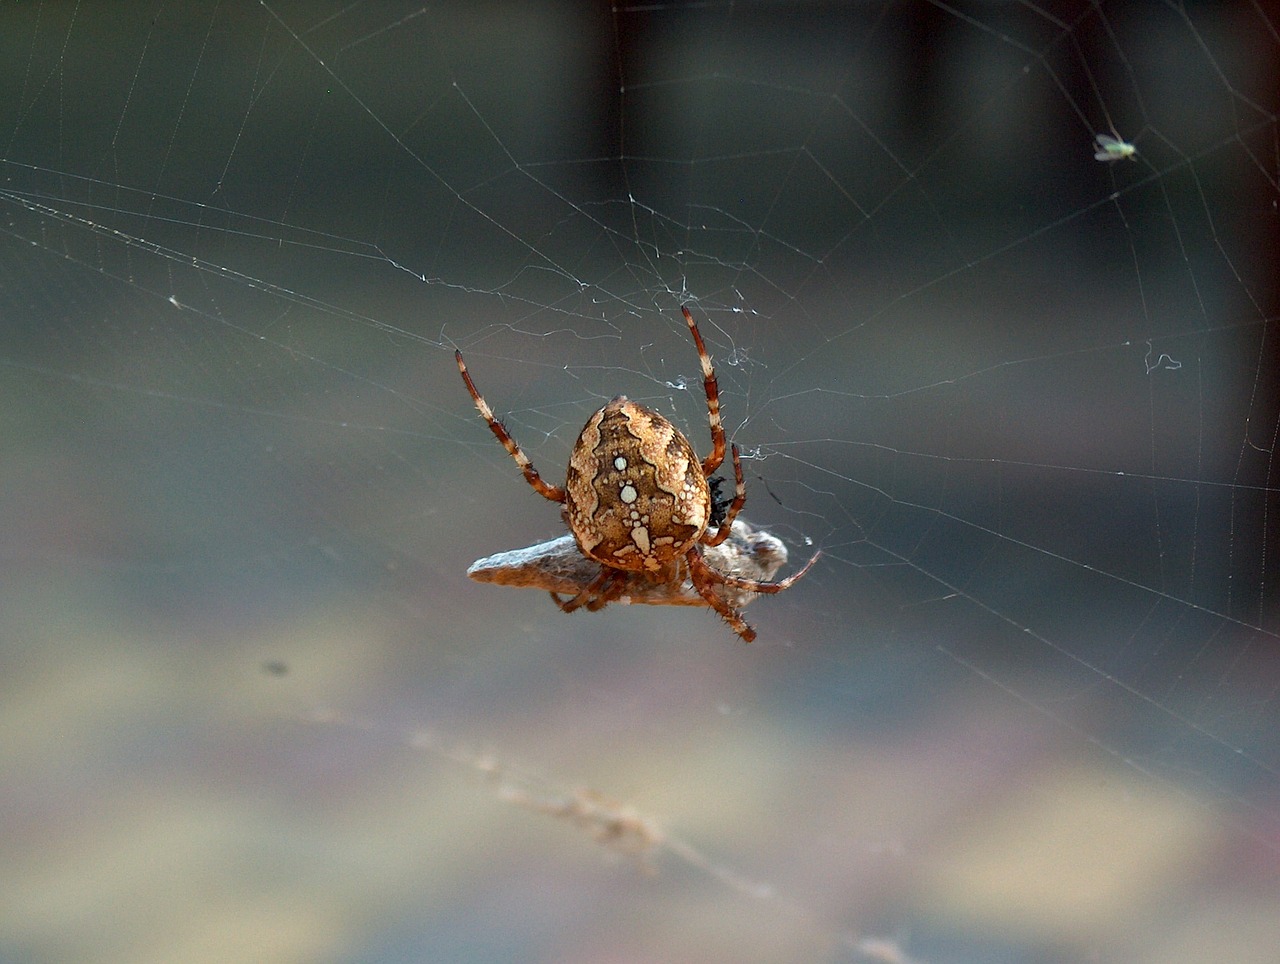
1026,708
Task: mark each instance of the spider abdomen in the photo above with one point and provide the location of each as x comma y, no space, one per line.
636,495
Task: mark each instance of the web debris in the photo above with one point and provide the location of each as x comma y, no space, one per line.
614,824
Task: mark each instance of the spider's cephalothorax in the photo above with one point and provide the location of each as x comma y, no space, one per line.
636,498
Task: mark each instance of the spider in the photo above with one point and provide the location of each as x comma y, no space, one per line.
638,501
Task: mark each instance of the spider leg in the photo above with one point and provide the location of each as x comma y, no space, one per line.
739,497
712,388
702,577
754,585
553,492
596,594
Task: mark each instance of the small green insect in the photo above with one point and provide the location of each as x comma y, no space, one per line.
1113,149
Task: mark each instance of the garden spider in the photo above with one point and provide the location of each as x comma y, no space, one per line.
638,502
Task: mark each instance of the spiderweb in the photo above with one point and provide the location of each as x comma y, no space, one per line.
1022,399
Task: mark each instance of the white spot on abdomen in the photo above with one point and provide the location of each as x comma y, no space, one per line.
619,463
628,493
640,536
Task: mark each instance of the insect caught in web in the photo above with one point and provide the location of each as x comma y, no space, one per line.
1111,148
638,502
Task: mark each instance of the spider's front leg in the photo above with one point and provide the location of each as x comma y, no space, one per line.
553,492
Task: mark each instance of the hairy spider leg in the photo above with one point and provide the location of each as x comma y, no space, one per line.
596,594
739,499
703,577
712,388
553,492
